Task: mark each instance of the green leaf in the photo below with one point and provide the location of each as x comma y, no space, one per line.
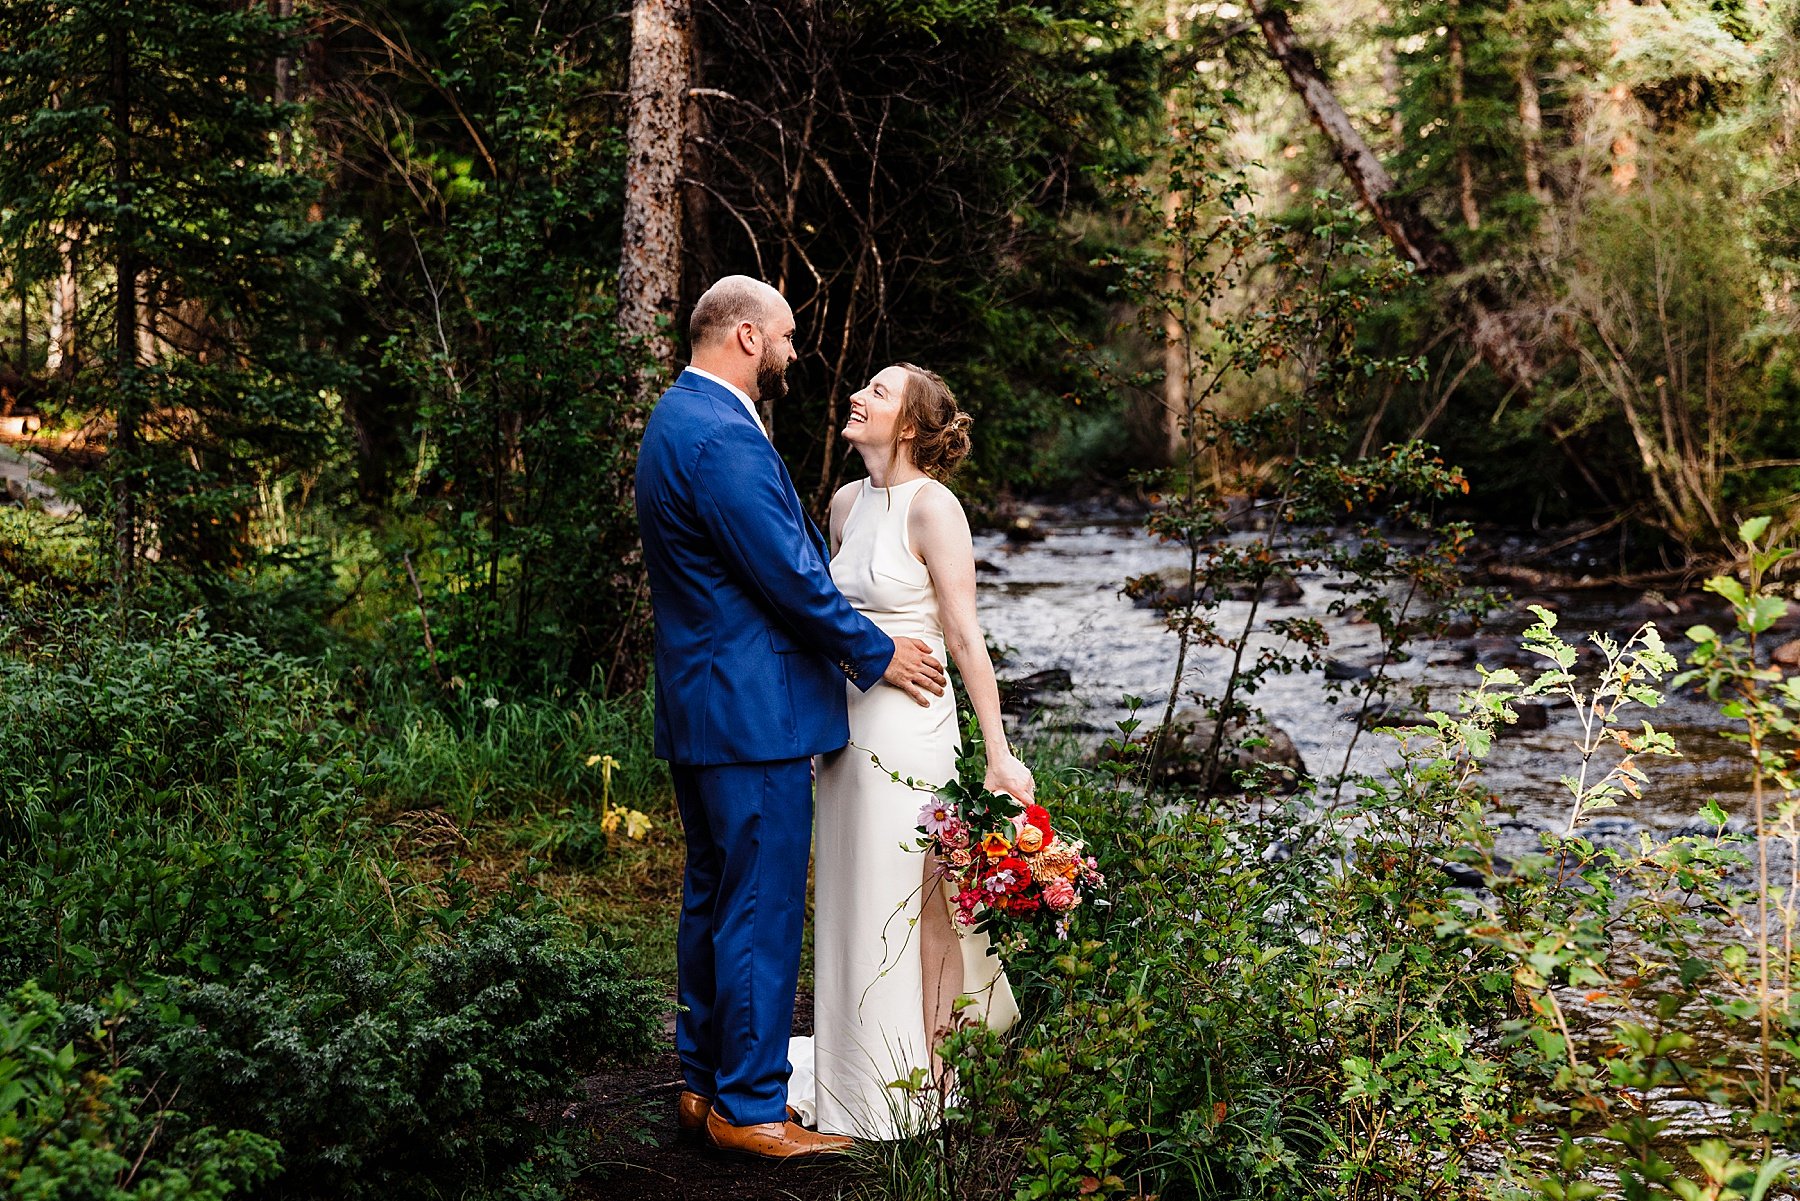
1765,611
1771,1170
1729,588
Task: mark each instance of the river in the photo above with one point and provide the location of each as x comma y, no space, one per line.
1056,603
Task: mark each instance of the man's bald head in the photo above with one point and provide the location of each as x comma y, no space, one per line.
729,304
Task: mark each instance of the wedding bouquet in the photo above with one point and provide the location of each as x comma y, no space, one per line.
1013,865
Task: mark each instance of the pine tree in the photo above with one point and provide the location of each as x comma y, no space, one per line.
142,143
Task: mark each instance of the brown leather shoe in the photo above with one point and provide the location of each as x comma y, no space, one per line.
773,1140
691,1110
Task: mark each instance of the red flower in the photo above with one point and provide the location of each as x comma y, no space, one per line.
1021,906
1037,815
1019,868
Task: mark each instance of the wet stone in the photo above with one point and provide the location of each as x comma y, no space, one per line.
1460,625
1182,759
1787,655
1024,694
1021,530
1384,713
1530,715
1453,656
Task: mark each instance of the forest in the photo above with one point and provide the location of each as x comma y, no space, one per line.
1430,364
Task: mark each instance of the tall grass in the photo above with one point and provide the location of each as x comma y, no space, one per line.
480,757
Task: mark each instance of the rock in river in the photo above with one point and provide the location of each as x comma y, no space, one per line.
1169,588
1528,715
1019,696
1787,655
1023,530
1182,758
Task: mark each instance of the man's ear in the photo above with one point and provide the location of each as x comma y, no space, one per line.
746,337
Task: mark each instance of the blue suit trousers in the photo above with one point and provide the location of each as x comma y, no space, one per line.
743,908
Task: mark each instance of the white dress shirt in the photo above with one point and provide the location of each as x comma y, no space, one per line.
749,405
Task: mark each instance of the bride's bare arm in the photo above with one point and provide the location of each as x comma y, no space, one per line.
939,531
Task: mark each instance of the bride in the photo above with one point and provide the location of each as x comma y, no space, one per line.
889,962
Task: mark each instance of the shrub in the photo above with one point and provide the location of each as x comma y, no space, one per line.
72,1130
1367,1001
407,1082
178,803
183,819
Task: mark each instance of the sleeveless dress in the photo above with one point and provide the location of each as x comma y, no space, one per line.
869,878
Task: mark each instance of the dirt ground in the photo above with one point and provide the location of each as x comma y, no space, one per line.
640,1155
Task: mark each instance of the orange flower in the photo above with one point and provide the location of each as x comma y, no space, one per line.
1031,839
995,845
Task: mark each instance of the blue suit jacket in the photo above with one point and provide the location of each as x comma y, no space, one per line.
753,640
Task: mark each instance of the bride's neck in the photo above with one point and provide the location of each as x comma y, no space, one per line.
887,469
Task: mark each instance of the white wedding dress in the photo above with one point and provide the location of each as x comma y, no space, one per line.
868,993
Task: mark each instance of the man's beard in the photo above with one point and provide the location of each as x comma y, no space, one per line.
771,378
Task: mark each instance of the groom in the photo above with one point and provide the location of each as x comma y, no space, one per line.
753,644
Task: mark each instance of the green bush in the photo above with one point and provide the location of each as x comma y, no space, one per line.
183,819
405,1081
181,803
71,1130
1365,1001
45,562
1231,1024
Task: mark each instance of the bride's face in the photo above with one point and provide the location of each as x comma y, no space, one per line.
875,410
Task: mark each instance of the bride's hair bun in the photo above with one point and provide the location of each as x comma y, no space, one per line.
940,429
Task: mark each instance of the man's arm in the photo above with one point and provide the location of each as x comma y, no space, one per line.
741,500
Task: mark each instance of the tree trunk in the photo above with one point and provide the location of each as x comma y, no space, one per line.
125,325
1465,169
1621,114
1531,111
1531,130
284,88
59,358
1413,235
696,203
1390,80
650,257
1176,347
1624,140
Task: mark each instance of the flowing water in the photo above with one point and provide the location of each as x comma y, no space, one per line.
1057,603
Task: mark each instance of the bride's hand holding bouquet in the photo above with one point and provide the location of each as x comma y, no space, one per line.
1005,859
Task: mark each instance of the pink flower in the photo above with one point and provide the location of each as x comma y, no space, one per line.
966,901
937,816
955,836
1060,896
960,858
